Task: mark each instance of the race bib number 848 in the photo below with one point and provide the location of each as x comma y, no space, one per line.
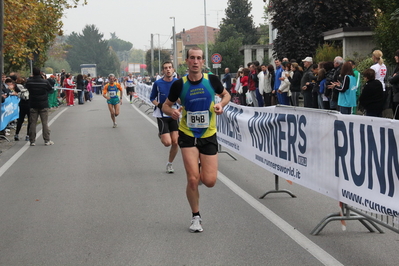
199,119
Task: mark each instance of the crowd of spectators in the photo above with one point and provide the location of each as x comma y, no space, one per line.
335,85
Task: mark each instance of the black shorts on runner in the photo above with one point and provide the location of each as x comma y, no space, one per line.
207,146
129,89
167,125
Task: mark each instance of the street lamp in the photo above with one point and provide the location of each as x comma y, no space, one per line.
174,42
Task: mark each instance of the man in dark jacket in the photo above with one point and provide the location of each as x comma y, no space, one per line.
38,96
227,79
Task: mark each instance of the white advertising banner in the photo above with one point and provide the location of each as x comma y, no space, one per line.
350,158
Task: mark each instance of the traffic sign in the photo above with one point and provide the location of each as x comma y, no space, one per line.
216,65
216,58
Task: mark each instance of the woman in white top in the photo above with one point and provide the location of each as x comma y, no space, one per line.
379,67
283,91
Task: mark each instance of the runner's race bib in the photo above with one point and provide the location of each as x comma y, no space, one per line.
112,94
199,119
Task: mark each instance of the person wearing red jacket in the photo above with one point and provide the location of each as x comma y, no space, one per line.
69,93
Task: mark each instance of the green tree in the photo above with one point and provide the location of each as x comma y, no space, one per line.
119,45
165,56
90,48
238,15
57,64
300,24
264,28
229,50
386,29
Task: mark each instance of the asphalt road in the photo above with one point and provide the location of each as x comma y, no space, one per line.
101,196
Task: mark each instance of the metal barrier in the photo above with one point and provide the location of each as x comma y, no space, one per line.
143,93
350,213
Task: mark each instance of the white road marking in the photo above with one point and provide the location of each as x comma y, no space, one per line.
21,151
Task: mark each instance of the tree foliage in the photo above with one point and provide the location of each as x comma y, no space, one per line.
300,24
165,56
119,45
236,29
238,15
229,50
90,48
386,29
30,27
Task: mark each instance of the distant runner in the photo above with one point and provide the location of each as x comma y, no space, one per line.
113,93
130,83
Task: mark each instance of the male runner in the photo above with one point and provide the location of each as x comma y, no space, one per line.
113,93
197,128
168,127
130,83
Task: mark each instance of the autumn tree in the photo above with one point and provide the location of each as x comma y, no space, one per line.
29,36
300,24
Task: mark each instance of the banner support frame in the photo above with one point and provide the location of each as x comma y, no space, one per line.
277,190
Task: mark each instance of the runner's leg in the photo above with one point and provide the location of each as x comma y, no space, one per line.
190,160
209,169
111,110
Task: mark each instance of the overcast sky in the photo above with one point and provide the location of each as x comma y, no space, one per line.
134,21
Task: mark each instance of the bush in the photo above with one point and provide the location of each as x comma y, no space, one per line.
327,52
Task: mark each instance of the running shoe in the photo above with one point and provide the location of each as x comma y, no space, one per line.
195,226
27,138
48,143
169,168
16,137
32,144
131,102
115,125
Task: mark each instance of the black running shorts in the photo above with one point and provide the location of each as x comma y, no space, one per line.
167,125
207,146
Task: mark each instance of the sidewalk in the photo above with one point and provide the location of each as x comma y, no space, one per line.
5,145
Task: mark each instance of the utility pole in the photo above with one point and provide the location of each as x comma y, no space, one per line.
152,54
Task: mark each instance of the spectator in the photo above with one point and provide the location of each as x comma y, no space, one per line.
372,97
322,101
346,85
80,86
252,84
38,96
295,81
272,79
265,88
277,75
394,80
359,89
244,84
259,96
331,79
307,78
379,67
52,96
227,80
283,90
24,109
